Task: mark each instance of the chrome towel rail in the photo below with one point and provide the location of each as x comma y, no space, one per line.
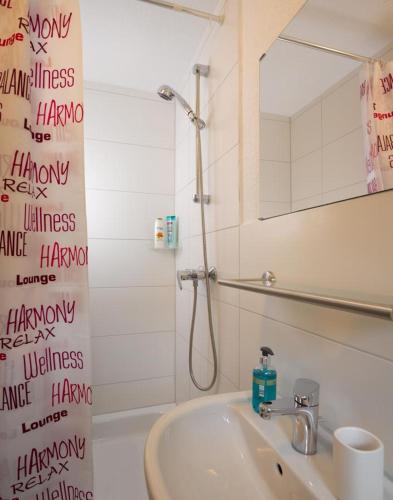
267,286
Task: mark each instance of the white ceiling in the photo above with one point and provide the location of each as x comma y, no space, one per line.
138,45
293,76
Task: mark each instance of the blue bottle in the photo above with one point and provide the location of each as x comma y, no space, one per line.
264,380
171,231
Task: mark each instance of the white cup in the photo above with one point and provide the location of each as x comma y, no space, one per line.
358,464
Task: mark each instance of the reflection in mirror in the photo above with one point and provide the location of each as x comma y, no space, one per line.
326,116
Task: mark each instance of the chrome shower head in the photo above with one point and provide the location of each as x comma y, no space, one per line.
168,93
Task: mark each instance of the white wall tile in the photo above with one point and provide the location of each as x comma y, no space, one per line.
202,332
311,201
343,162
126,263
223,117
183,312
115,311
124,358
341,111
183,254
182,375
306,132
275,181
224,385
116,214
134,394
183,124
228,341
224,208
275,139
121,118
273,208
196,251
194,209
126,167
202,373
183,165
250,343
182,204
345,193
307,176
223,253
223,49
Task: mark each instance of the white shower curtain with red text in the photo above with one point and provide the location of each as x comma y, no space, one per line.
45,391
376,97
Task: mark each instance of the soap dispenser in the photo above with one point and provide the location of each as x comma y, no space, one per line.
264,380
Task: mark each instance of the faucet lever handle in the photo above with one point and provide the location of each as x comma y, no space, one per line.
179,275
306,392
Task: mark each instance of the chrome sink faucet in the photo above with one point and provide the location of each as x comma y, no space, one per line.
304,407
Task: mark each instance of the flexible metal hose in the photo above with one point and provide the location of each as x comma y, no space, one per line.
207,280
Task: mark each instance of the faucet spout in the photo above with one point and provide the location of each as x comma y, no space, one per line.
304,407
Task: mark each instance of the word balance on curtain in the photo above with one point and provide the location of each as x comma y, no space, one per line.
45,391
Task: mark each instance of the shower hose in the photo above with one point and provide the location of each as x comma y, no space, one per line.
207,281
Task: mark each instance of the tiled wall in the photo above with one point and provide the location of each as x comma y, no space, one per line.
314,157
129,151
327,148
275,183
345,247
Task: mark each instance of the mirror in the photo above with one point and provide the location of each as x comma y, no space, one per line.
326,118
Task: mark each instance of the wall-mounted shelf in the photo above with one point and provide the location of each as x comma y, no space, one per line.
268,286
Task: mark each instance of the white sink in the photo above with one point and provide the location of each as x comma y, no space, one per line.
217,448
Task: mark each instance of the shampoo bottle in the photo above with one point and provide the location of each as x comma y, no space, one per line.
264,380
159,233
171,231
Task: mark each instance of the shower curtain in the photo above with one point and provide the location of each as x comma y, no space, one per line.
376,97
45,391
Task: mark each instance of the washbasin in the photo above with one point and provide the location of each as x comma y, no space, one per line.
217,448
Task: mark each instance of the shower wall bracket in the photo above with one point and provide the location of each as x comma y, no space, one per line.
202,69
197,199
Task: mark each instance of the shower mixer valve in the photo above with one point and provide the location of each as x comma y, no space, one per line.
195,275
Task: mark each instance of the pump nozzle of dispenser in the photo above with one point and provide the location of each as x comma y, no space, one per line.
266,351
264,380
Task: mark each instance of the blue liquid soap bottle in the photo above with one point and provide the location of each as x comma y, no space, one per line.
264,380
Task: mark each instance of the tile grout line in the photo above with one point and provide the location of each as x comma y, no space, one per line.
148,146
155,332
134,380
105,190
320,336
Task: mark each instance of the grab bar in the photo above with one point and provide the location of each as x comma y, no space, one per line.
267,286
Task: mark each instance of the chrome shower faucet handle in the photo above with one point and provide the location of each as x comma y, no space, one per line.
194,275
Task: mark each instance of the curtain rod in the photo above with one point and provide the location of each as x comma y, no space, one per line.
330,50
187,10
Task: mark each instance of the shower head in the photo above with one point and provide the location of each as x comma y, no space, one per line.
168,93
